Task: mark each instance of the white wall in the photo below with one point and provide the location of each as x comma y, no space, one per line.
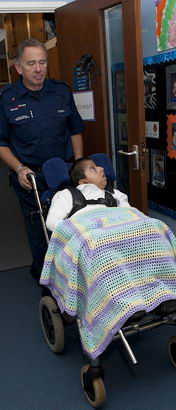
148,28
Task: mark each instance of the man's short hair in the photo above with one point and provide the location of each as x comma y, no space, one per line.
77,170
29,42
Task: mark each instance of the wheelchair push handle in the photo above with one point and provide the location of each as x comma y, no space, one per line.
32,179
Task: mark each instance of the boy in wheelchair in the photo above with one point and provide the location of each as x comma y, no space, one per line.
107,261
91,182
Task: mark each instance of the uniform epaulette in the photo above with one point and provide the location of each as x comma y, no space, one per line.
5,88
61,82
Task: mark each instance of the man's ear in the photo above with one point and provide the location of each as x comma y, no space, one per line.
18,68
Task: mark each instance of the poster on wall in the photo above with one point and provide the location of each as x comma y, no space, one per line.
171,87
84,101
152,129
171,136
120,90
150,89
122,127
165,24
158,168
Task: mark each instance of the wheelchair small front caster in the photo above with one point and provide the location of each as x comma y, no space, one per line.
94,387
172,350
52,325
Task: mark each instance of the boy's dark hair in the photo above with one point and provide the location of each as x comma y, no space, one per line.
29,42
77,170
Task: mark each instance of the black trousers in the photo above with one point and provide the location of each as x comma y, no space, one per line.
32,220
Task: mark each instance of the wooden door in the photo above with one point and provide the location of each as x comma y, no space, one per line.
81,29
36,26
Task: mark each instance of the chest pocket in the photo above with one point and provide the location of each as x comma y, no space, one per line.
61,113
60,118
20,116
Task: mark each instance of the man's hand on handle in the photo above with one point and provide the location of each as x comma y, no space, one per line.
22,172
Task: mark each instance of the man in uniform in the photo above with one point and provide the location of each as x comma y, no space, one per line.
38,121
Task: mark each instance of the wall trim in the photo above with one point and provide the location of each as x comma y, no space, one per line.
30,6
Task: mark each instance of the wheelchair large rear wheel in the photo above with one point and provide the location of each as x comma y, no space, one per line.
172,350
52,325
96,393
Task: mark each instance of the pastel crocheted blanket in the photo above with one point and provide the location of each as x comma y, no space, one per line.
105,265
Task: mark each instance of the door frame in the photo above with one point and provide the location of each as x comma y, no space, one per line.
136,114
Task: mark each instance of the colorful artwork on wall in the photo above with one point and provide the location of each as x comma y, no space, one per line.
171,136
165,24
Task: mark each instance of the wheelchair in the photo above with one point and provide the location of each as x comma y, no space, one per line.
53,321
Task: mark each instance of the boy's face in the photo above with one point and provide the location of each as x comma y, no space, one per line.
94,175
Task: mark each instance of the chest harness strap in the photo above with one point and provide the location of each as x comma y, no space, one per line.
79,201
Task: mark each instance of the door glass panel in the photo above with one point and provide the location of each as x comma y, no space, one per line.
117,93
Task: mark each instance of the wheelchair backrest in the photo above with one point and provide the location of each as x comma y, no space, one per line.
56,170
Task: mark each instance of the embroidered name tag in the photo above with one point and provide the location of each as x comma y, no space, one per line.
22,117
60,110
17,107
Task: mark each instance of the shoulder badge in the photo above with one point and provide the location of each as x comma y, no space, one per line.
61,82
5,88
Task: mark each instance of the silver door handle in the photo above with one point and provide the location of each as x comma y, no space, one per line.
134,153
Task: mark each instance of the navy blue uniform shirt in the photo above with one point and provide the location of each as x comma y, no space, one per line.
37,125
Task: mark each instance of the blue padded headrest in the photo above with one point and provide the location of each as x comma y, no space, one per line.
102,160
56,172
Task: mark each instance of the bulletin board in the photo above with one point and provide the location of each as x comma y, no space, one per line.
160,129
